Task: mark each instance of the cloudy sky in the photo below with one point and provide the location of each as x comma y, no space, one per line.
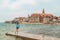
10,9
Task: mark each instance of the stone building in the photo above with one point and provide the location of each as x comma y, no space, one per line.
41,17
35,18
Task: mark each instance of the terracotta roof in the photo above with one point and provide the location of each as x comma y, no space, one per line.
35,15
41,15
46,15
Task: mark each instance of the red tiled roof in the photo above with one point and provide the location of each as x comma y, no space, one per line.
41,15
35,15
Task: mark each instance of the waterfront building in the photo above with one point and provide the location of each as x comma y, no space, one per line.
58,19
34,18
19,19
55,19
41,17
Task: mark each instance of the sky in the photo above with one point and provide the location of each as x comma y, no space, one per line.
9,9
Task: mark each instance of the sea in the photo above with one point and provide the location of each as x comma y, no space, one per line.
38,29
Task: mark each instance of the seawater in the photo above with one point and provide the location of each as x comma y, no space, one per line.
45,29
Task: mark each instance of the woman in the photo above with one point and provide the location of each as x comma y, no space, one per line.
17,27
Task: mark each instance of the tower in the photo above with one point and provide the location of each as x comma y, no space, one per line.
43,11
